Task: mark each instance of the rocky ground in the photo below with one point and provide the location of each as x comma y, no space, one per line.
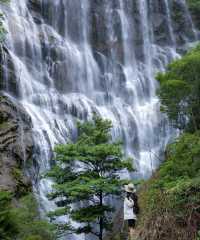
120,228
16,145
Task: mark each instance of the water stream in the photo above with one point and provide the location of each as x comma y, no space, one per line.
70,58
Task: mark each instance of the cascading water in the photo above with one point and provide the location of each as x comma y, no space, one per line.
67,59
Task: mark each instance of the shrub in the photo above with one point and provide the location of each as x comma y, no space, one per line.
22,222
180,91
28,222
170,201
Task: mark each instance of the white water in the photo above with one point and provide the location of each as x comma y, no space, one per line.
75,57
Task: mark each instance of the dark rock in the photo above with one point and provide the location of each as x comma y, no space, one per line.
182,24
36,7
16,146
8,77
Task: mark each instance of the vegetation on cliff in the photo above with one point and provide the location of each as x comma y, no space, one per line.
180,91
2,29
194,7
21,220
15,126
170,201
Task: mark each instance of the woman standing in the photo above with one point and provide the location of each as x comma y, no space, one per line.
129,214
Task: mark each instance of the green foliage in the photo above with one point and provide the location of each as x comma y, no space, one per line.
171,200
21,188
180,91
7,226
28,222
87,171
22,222
2,29
194,7
183,160
198,235
3,125
36,237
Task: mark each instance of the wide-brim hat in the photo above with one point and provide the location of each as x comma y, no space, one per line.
130,188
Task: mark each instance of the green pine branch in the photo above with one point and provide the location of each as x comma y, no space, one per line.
85,174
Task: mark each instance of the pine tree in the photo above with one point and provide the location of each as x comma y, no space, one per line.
85,175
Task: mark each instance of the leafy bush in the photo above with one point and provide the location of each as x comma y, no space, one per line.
22,222
28,222
171,199
7,225
180,91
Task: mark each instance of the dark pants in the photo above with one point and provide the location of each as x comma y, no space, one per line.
131,223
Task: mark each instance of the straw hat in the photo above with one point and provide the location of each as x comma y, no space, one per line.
130,188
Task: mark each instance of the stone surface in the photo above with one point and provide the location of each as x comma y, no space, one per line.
8,76
16,146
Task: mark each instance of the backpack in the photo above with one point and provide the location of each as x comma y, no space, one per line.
136,208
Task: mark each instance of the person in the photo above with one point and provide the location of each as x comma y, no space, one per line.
129,214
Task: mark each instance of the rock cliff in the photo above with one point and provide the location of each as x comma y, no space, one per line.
16,145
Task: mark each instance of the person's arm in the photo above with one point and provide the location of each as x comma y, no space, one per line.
129,202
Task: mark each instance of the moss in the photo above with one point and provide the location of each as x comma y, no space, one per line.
22,188
4,125
177,14
2,98
194,7
17,174
36,237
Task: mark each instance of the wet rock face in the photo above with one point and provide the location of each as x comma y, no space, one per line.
194,7
16,146
8,77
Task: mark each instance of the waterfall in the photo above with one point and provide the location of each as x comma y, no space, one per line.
67,59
